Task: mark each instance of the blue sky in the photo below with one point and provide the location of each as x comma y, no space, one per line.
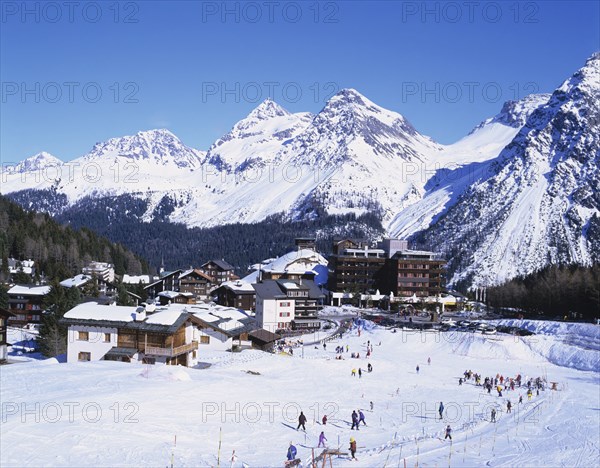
75,75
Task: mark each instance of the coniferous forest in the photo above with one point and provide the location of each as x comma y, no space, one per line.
59,251
555,291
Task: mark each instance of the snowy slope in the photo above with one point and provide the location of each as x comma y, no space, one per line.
537,203
118,414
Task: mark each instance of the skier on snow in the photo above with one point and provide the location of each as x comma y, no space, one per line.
448,432
441,410
361,417
322,439
353,447
493,415
324,420
291,453
354,421
301,421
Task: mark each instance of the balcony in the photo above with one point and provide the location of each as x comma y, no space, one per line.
171,352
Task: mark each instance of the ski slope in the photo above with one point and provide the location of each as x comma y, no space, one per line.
133,413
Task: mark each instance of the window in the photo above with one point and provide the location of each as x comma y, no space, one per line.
205,340
107,337
284,314
284,304
84,356
83,336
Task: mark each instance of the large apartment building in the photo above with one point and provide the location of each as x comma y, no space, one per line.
354,266
390,267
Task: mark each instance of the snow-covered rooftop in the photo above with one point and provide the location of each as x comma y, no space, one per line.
95,311
136,279
75,281
29,290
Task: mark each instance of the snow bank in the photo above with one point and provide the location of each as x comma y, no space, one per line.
575,345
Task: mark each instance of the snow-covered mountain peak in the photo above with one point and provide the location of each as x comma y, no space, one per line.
158,146
515,113
36,162
267,110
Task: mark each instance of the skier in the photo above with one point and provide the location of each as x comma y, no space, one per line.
354,421
371,403
291,453
353,372
324,346
322,439
493,415
361,417
460,381
520,399
347,348
441,410
508,406
429,361
359,373
529,394
301,421
324,420
417,369
370,367
448,432
353,447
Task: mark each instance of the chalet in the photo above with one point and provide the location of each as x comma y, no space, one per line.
222,328
174,334
219,271
105,288
191,281
4,316
196,283
168,281
26,304
236,293
117,333
288,304
302,264
174,297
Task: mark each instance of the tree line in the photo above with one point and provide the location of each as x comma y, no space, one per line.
556,291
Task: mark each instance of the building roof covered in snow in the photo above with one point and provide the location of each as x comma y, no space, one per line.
29,290
75,281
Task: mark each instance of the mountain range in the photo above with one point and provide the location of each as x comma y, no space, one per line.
521,190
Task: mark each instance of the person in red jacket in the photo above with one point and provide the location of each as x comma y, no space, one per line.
352,447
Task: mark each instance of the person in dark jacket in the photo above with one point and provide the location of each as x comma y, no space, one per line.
441,410
301,421
324,419
354,421
493,415
448,432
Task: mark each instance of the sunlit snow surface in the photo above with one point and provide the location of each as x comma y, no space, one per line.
143,408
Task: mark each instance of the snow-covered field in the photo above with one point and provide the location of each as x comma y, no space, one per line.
115,414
